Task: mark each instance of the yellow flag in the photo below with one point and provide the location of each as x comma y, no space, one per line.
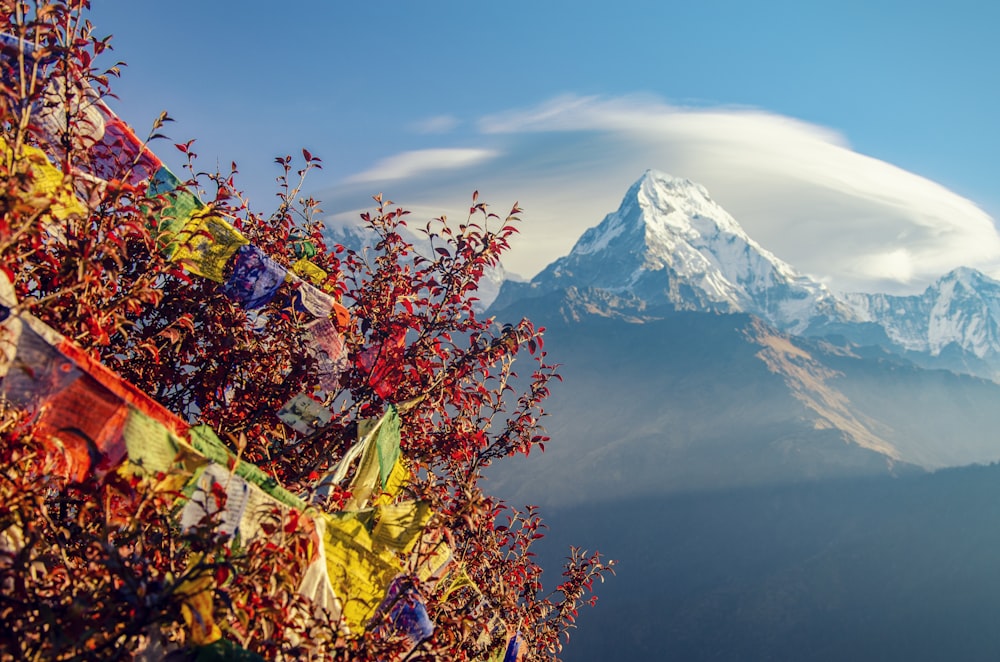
310,271
359,575
394,484
48,184
400,525
197,609
206,244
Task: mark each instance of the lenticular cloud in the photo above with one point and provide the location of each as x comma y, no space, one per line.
851,220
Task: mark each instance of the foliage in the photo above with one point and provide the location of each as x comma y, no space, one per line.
101,568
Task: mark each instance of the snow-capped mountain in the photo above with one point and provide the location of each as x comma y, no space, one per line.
960,310
670,243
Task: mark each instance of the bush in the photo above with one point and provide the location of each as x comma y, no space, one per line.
262,356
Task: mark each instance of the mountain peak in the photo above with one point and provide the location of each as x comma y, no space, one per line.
966,276
669,243
654,183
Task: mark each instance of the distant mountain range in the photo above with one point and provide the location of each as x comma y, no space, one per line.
669,245
694,360
757,450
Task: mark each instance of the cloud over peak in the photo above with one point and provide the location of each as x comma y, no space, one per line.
852,220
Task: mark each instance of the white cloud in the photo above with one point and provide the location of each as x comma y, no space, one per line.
419,162
854,221
436,124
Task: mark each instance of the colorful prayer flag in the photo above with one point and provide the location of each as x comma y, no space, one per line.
50,189
245,509
400,525
327,347
311,299
179,204
516,649
206,244
407,612
255,278
358,574
306,269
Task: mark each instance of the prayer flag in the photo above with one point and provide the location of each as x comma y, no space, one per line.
255,278
315,583
150,444
306,269
384,364
49,186
516,649
302,247
406,611
206,243
196,608
358,574
304,414
32,370
87,421
388,444
380,438
327,347
179,204
245,508
399,525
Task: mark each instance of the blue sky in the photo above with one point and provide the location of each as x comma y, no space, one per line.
855,140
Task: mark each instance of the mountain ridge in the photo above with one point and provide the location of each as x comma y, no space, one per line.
670,246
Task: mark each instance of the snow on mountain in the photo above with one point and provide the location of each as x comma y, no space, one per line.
670,243
962,309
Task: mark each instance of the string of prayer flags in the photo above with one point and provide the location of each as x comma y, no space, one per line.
304,414
79,406
205,441
255,278
206,243
101,419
